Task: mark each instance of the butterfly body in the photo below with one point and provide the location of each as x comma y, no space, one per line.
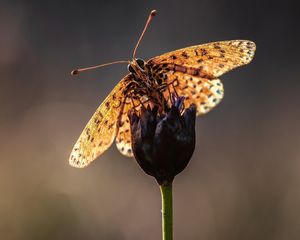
190,72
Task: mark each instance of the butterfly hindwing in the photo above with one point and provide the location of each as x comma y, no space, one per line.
204,93
123,139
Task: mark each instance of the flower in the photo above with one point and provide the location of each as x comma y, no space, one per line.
163,144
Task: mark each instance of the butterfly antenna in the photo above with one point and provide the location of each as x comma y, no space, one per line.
79,70
151,15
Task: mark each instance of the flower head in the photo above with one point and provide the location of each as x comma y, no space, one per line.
163,144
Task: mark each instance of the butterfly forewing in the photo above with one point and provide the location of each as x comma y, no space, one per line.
211,59
101,130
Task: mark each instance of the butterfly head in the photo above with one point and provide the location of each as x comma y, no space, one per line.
139,70
136,66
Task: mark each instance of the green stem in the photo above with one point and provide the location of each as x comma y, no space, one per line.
167,211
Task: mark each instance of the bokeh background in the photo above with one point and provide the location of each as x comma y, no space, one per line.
243,180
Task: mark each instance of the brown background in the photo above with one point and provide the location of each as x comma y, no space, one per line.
243,180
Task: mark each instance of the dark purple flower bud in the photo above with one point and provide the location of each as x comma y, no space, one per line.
163,144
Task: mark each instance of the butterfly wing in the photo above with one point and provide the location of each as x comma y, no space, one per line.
204,93
211,59
101,130
193,72
123,139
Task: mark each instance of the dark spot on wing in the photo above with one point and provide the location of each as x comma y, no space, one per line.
217,46
184,54
107,104
203,51
173,57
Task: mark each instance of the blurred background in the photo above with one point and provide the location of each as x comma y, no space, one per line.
243,180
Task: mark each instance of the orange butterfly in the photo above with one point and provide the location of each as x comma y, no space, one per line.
191,72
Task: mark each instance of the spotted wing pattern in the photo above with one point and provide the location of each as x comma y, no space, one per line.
123,139
101,130
204,93
193,72
210,60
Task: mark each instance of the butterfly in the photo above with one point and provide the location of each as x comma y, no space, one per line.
192,72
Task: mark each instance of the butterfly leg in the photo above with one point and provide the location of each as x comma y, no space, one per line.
174,89
169,91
